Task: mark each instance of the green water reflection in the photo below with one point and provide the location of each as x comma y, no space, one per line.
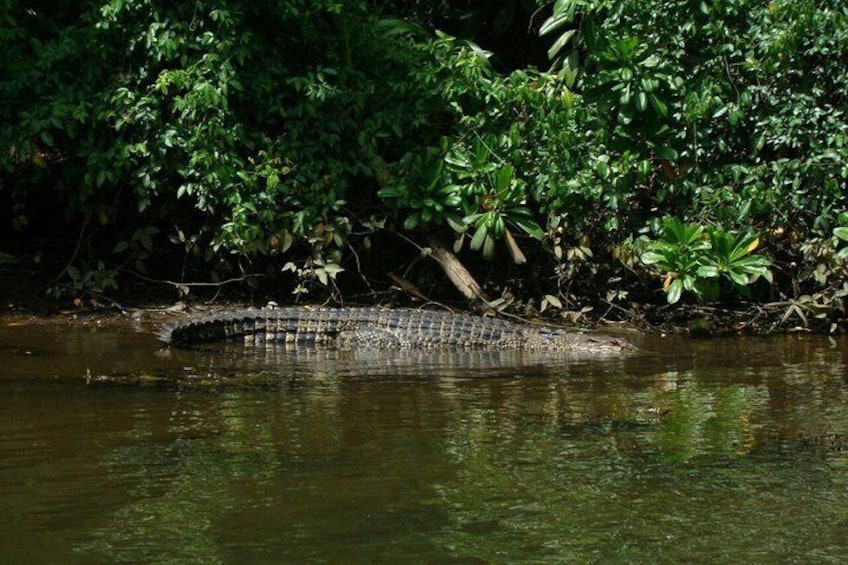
690,451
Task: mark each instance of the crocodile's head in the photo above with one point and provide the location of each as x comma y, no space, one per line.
579,342
601,343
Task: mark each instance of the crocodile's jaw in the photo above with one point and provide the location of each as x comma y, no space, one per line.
559,340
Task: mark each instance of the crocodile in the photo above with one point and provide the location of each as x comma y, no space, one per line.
376,328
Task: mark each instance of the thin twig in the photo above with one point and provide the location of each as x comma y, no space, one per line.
730,76
359,269
77,248
194,284
632,315
491,151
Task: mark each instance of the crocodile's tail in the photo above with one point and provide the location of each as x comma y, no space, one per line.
220,326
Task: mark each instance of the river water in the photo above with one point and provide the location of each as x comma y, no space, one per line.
113,449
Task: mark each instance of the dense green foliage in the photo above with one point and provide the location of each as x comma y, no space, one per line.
726,113
295,128
695,258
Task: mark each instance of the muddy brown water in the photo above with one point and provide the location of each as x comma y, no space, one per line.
115,449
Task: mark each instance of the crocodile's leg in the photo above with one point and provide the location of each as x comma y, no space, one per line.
368,339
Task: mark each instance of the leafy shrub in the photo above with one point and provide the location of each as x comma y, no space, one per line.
246,132
694,258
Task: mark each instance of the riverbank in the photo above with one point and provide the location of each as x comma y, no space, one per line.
26,295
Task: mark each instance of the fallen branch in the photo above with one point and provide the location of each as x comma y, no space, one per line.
406,285
453,268
456,272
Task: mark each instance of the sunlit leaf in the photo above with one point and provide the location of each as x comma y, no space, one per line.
489,247
551,300
479,237
561,41
458,242
674,291
554,23
707,271
738,278
514,250
651,258
841,233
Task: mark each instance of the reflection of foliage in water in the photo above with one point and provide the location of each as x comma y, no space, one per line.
184,483
683,456
585,482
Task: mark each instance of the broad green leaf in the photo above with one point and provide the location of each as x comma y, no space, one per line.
521,211
489,247
434,175
667,153
554,23
498,227
560,43
641,101
707,271
452,201
472,219
479,236
287,241
411,222
483,55
455,223
567,97
529,227
390,192
699,245
458,159
841,233
659,105
503,179
651,258
674,291
720,112
393,26
738,277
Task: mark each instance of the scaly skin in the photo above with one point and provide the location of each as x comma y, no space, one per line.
383,329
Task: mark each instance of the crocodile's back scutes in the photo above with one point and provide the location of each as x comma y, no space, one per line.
380,328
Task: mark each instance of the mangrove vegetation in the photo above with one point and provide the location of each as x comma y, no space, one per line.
583,158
